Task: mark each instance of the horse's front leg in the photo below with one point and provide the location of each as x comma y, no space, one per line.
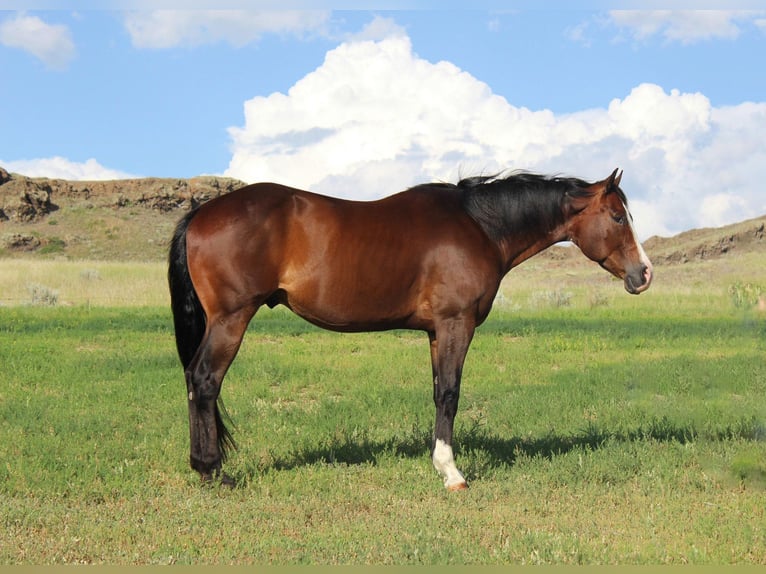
449,345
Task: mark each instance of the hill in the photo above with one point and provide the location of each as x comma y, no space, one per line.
128,219
709,243
132,219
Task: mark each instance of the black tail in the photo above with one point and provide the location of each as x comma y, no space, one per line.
189,317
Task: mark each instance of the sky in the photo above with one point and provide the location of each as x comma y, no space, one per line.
364,103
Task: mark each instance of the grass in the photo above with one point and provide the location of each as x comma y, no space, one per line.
82,231
631,431
83,282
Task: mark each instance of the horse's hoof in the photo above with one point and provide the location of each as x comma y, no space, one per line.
457,486
227,481
218,478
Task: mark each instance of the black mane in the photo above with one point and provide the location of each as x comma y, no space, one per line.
518,202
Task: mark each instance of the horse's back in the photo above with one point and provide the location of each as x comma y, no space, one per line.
310,221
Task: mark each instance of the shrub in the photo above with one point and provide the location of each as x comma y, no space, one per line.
42,295
53,245
554,299
746,295
598,299
90,275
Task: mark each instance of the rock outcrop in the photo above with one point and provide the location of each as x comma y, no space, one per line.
26,199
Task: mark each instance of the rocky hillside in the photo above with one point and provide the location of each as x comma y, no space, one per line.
25,199
122,219
133,218
709,243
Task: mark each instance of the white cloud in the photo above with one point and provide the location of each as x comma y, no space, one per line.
720,208
169,28
62,168
684,26
375,118
50,43
379,28
579,33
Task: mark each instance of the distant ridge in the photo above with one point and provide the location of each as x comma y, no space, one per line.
708,243
28,199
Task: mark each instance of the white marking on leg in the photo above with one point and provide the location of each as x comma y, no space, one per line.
444,462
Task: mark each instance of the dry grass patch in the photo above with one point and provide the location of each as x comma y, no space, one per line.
89,283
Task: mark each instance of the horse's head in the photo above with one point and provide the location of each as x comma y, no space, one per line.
602,227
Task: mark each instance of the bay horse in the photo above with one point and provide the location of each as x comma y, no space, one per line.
430,258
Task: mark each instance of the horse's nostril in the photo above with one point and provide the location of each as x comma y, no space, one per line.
647,274
640,282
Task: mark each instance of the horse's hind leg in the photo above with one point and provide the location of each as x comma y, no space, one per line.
204,376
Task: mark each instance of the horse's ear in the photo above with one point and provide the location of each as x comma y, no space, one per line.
613,181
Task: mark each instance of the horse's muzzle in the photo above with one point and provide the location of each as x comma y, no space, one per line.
639,281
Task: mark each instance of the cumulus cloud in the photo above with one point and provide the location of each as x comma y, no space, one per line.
50,43
375,118
684,26
170,28
379,28
62,168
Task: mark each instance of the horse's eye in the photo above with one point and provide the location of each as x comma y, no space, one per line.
620,219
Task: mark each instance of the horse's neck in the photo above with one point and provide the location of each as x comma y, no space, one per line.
517,248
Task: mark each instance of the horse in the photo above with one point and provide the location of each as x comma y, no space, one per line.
430,258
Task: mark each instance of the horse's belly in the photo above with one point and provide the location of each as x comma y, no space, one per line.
350,307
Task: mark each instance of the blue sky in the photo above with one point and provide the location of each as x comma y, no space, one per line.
364,103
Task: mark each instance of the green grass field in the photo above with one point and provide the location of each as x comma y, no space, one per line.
594,427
